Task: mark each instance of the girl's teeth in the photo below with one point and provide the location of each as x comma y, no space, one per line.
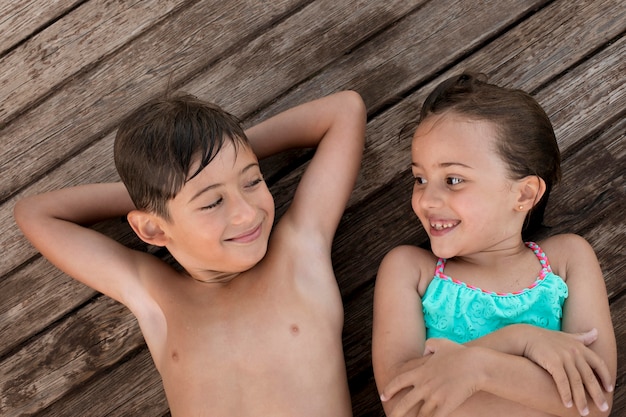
441,226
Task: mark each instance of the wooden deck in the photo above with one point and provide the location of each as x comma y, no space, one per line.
70,70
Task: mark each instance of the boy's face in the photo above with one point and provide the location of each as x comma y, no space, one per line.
221,219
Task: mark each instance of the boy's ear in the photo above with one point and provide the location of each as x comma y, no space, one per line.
531,189
148,227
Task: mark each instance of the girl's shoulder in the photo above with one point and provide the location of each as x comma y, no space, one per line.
565,250
412,264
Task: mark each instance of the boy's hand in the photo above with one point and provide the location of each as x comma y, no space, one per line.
573,366
446,376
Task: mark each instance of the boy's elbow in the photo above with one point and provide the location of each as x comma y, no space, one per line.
25,212
356,103
20,212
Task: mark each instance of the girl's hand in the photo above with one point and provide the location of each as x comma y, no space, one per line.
438,384
573,366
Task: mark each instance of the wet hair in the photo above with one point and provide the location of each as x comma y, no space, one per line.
157,145
524,134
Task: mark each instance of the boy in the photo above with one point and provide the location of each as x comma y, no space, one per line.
253,324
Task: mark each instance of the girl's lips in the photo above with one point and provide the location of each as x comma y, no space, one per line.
440,228
248,236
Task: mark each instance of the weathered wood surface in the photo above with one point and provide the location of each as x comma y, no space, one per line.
70,70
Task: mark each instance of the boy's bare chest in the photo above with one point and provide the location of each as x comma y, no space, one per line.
267,346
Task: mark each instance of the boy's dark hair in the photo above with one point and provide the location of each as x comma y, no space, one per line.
526,140
157,144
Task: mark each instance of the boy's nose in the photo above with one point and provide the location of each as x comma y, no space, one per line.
242,210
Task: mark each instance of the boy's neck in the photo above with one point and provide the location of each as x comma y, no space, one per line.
214,277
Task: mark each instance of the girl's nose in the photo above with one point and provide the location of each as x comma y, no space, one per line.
428,197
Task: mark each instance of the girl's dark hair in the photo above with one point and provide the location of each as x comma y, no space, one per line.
157,144
526,140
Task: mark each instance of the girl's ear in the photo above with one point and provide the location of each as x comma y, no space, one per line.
531,189
148,227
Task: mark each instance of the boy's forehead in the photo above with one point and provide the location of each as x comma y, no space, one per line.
229,161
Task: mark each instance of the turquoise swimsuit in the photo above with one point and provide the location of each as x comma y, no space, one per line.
459,312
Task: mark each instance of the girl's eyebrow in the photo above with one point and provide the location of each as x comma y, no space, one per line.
444,165
212,186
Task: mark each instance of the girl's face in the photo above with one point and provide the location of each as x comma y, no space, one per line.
462,192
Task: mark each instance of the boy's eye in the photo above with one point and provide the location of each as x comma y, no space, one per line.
453,180
255,182
213,205
419,180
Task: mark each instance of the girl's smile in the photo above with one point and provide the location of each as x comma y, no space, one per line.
462,187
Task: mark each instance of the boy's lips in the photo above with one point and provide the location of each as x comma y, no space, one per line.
247,236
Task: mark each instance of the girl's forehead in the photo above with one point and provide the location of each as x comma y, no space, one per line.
453,130
450,138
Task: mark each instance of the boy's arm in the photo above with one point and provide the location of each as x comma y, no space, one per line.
336,126
55,223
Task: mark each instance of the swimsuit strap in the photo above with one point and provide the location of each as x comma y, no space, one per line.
541,257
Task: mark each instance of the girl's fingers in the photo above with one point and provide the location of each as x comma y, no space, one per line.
563,386
409,405
592,385
601,370
588,337
400,382
577,388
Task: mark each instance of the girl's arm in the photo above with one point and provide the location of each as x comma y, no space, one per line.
398,328
453,376
450,374
587,305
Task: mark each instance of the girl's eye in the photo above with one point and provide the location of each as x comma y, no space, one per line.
213,205
419,180
453,181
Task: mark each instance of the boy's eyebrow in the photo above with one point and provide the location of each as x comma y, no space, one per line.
212,186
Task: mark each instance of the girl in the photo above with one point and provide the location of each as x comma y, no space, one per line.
472,327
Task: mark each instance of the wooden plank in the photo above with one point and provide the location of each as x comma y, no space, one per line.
38,294
133,388
44,370
523,55
291,52
92,103
358,348
504,53
20,19
84,36
408,53
589,201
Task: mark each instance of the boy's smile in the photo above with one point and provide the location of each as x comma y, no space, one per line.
222,218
